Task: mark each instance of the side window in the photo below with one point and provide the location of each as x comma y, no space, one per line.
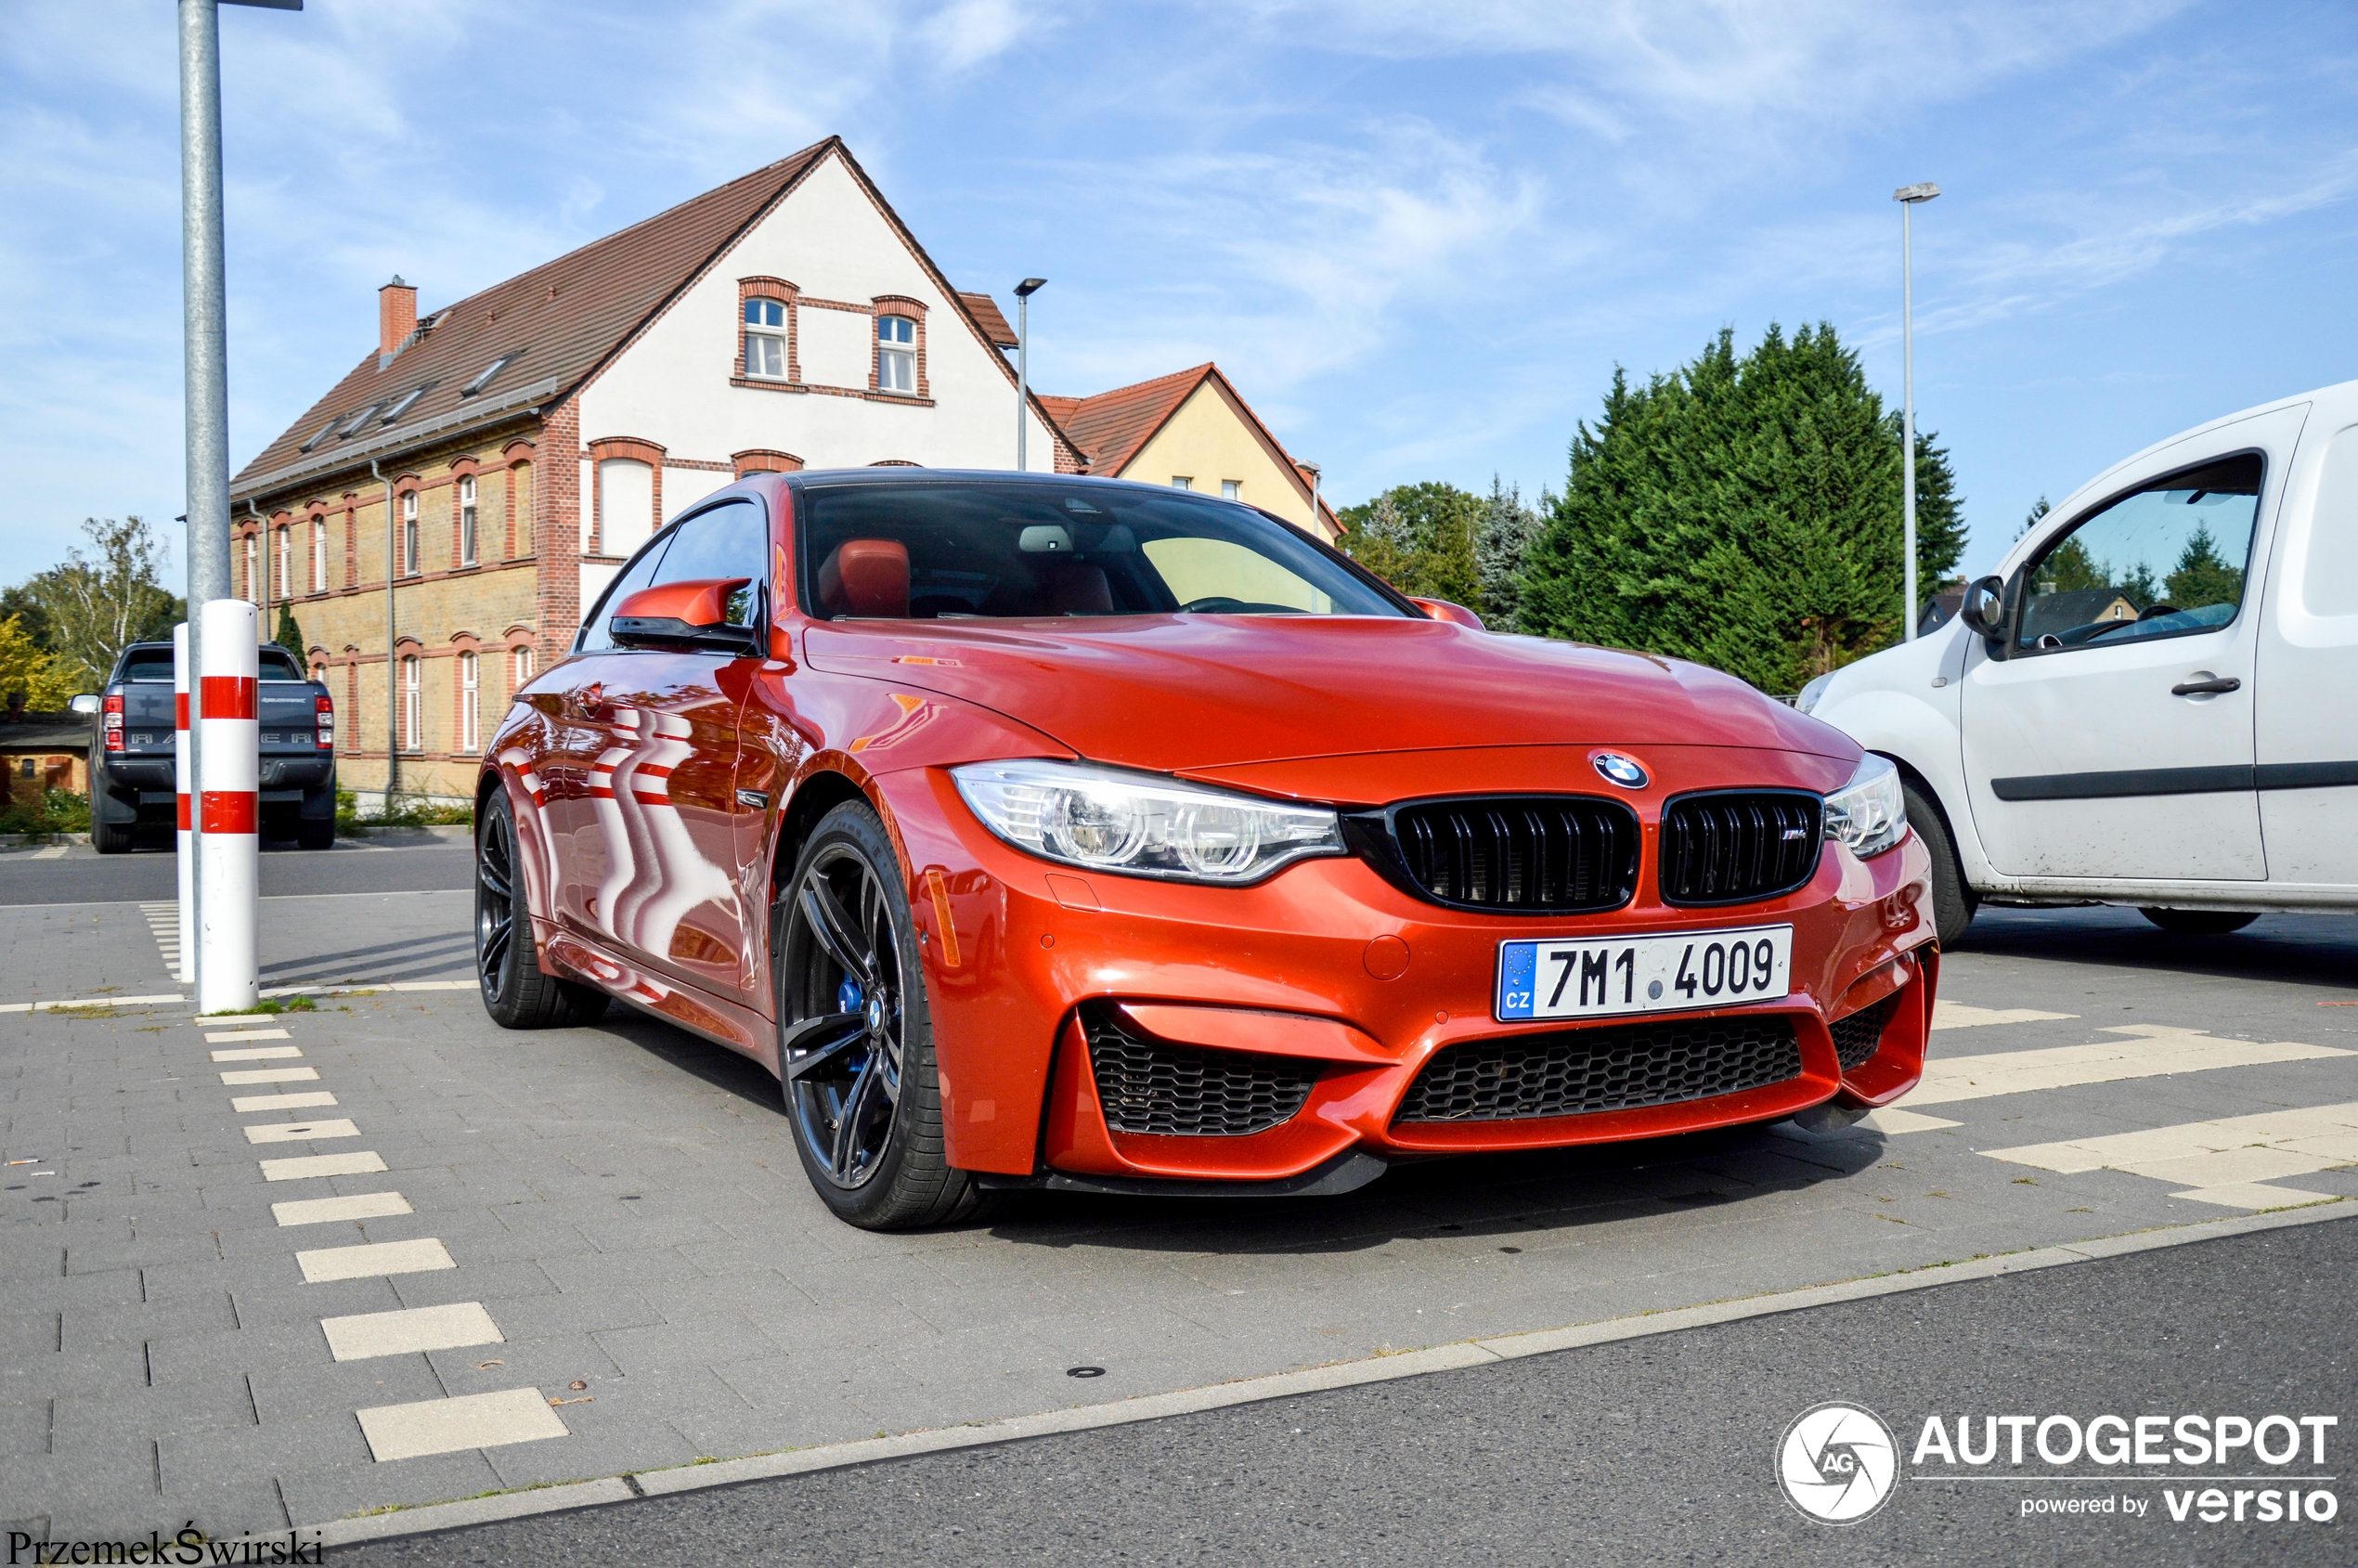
2162,560
1200,570
638,573
727,541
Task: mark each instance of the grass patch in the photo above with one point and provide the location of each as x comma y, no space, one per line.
89,1010
272,1004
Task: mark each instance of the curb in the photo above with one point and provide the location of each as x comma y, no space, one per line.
1314,1380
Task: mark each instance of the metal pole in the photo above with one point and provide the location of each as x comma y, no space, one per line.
1908,418
1023,375
207,370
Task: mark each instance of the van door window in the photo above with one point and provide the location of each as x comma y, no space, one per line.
2163,561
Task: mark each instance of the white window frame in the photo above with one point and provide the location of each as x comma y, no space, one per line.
253,559
897,356
320,555
284,535
1183,482
411,693
519,667
409,535
470,708
766,334
468,542
1232,489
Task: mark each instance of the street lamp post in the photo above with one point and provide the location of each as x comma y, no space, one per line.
205,324
1908,196
1024,291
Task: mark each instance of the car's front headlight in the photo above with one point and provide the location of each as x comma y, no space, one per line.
1867,814
1813,692
1142,824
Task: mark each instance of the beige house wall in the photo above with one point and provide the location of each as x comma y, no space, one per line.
1210,439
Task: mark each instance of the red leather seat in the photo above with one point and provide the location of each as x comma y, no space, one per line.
867,577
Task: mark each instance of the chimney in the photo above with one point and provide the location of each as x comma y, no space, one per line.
396,318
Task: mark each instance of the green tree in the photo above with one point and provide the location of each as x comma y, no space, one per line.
1425,546
290,636
2203,577
26,666
1744,511
1503,537
2068,567
95,605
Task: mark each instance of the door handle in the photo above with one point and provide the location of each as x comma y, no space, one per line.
2213,686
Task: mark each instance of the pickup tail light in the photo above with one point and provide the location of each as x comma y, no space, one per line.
327,722
112,722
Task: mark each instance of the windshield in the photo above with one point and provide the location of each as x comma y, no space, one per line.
932,548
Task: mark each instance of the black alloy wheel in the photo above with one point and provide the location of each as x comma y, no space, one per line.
515,993
855,1038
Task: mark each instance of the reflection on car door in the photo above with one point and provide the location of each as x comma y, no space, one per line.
2306,717
664,793
2116,740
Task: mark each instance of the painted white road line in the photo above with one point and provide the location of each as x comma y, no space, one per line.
1958,1015
53,852
320,1211
1889,1120
451,1426
322,1265
2218,1161
273,1075
300,1131
358,1162
2152,1051
90,1002
400,1333
281,1102
258,1053
228,1036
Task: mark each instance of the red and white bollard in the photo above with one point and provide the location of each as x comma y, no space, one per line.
228,808
185,948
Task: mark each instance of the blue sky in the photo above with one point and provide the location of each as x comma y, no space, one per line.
1418,237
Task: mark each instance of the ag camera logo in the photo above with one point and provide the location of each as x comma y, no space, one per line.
1837,1463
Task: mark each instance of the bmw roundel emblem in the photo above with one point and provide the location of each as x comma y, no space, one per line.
1623,771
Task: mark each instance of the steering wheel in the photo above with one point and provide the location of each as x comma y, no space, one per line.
1213,604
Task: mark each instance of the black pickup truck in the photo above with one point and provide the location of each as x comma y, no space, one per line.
131,785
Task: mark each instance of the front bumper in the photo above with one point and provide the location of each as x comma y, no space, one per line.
1295,968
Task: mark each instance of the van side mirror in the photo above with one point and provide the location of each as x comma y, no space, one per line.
1984,610
693,614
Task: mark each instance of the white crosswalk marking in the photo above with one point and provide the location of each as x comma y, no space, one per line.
258,1054
321,1210
360,1162
163,921
245,1103
2152,1051
2222,1161
322,1264
1957,1015
300,1131
224,1037
273,1075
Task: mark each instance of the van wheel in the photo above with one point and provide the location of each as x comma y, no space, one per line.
1953,902
2199,921
110,838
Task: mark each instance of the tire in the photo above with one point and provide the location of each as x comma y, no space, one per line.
316,835
2199,921
855,1033
1953,902
515,993
110,838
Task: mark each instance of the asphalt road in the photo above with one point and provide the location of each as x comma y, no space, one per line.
83,875
1650,1451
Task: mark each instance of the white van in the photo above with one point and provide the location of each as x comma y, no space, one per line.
2154,701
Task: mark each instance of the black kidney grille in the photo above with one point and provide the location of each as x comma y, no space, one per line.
1534,854
1739,845
1857,1036
1149,1086
1624,1067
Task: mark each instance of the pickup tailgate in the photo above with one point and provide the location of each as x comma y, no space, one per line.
289,711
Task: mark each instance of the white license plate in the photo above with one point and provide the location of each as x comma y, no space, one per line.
1571,977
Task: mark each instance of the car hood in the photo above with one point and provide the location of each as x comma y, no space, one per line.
1181,692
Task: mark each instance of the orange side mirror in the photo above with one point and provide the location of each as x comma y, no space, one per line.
1441,610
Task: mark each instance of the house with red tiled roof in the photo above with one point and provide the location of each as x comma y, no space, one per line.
438,520
1192,429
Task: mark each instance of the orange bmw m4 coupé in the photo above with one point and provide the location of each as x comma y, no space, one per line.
1044,832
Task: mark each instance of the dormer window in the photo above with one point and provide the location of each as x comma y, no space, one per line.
484,377
896,354
402,404
766,338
